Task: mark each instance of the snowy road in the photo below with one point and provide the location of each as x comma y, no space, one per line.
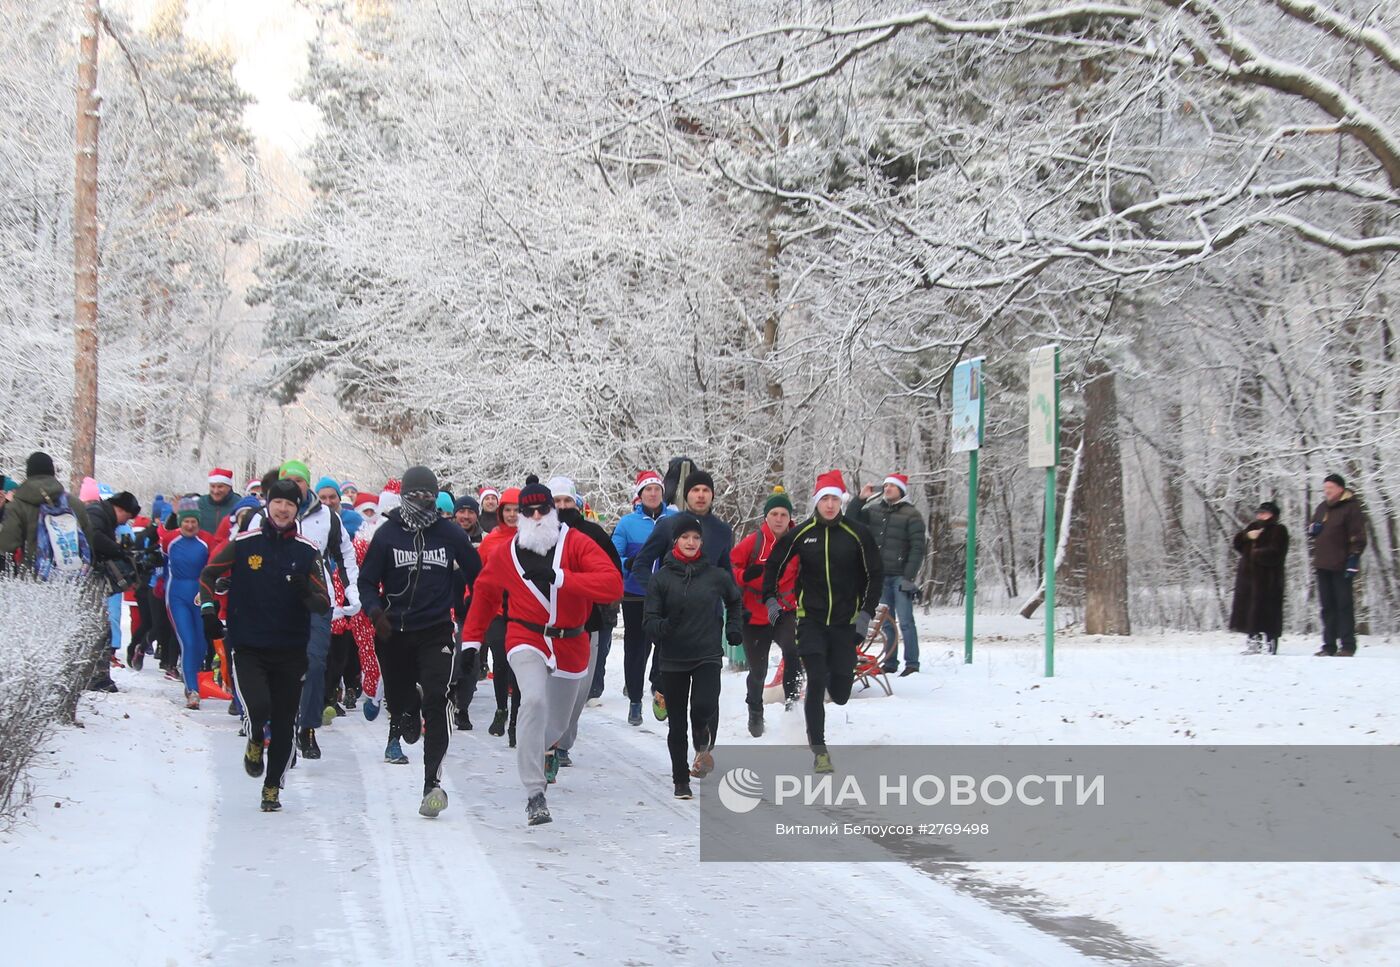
157,853
350,869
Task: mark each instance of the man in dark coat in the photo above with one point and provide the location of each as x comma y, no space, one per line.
1338,537
1257,610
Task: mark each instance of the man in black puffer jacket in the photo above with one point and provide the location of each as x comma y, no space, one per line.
689,604
408,587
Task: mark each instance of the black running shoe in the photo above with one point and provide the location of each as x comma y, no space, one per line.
253,758
410,727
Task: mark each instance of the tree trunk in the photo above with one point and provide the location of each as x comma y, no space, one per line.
1173,464
772,282
1106,574
84,453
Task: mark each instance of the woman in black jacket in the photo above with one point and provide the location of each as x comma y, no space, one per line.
689,605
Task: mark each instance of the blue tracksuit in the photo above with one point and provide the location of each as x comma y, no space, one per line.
184,559
628,537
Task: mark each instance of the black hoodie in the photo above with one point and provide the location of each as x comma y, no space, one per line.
411,575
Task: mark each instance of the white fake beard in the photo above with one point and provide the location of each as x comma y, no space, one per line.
538,534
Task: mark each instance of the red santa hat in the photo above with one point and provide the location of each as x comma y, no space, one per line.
830,484
254,484
365,497
900,480
645,479
488,489
221,476
392,486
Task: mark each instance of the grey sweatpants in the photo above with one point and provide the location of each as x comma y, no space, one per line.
546,703
566,741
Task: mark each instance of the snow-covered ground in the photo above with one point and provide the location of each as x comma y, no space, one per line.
144,845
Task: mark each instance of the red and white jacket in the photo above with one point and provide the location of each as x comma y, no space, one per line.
583,576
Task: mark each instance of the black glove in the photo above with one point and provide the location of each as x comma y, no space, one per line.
1353,565
301,584
382,628
753,572
774,610
540,572
863,624
607,614
735,637
213,627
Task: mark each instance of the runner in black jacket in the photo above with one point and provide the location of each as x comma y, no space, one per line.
838,589
276,582
408,587
688,605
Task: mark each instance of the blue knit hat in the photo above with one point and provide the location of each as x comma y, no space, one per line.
325,482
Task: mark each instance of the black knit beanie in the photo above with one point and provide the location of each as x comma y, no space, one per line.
39,464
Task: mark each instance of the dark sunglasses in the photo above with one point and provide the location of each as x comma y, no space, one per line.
538,510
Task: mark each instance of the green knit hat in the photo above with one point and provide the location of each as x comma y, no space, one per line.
779,498
294,468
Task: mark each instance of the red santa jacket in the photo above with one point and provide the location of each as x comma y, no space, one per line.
584,576
751,551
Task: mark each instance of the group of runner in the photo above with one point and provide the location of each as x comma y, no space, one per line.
316,595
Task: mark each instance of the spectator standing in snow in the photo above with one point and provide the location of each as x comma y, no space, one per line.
1337,536
898,530
19,532
1257,608
104,518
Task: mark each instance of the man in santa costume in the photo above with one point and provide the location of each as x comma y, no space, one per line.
218,503
553,575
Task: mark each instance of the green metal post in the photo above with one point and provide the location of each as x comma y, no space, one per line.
1050,543
970,578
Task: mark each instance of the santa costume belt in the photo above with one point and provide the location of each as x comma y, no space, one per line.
550,631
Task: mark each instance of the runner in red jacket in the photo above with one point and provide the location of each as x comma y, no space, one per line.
553,576
748,560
